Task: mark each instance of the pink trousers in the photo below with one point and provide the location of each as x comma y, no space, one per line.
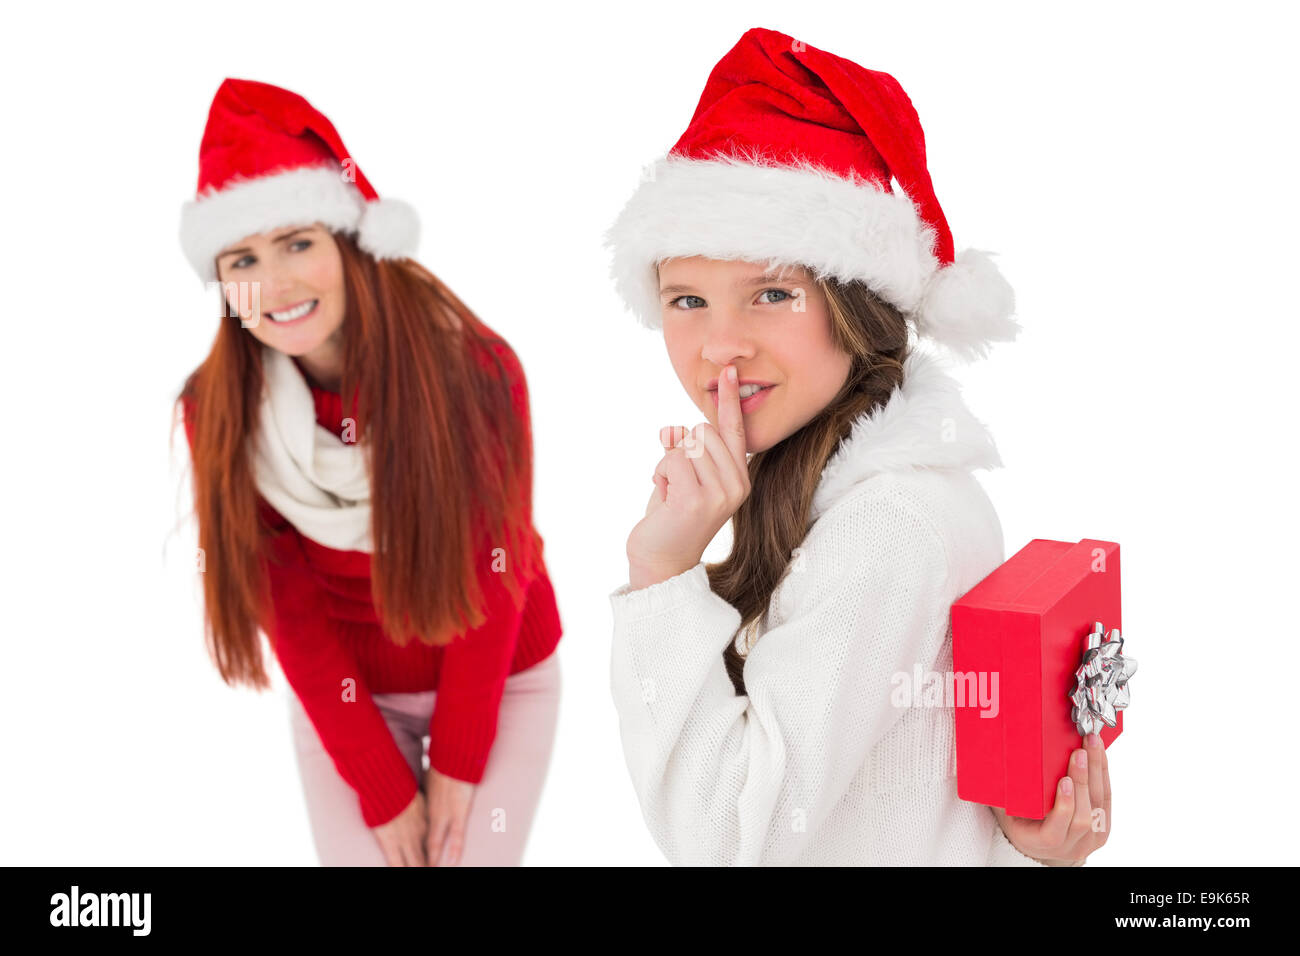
510,789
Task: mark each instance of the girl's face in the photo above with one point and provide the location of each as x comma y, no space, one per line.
776,330
299,276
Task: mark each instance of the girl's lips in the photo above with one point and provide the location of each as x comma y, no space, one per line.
749,404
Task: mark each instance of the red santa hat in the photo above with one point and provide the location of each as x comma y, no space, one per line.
269,159
788,160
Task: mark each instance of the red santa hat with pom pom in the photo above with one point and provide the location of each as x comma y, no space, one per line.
269,159
789,159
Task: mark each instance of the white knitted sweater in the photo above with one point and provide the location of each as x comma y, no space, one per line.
816,765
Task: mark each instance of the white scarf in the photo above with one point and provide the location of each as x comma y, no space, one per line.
305,471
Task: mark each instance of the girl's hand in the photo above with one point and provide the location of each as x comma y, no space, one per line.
449,801
402,838
699,484
1078,823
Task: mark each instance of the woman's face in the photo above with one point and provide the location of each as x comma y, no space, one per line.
298,273
776,330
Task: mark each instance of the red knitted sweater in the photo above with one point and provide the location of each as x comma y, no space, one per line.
326,636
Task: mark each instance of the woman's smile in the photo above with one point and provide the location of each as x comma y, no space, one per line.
294,314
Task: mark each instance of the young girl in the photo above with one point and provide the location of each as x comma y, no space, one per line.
363,484
760,698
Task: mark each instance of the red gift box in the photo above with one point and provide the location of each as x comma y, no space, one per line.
1023,632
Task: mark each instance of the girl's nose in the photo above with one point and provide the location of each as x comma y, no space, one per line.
726,339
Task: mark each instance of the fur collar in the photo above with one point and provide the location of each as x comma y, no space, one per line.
924,424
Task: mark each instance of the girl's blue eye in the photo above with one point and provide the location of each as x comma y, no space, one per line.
674,302
301,242
781,292
236,263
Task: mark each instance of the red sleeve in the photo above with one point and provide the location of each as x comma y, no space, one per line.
321,669
470,685
475,665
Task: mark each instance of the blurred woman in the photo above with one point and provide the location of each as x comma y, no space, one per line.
363,485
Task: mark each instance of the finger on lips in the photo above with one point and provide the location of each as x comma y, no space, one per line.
720,452
731,420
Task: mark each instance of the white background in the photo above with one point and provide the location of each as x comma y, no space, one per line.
1133,165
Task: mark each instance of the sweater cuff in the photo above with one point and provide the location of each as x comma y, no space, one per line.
383,782
629,605
460,740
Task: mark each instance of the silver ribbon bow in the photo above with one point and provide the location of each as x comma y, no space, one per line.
1101,682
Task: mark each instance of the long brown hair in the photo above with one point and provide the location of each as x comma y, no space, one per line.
442,409
772,521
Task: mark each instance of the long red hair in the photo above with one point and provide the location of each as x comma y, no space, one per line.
442,408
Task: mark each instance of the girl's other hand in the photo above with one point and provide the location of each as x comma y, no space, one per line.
1079,821
402,838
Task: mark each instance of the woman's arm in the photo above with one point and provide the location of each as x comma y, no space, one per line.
324,674
725,779
471,683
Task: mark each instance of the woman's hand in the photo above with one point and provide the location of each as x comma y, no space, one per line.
402,838
699,484
1078,823
449,801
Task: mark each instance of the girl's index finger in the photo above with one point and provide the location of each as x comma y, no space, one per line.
731,420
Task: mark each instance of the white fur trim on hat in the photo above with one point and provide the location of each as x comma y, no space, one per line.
293,197
755,209
731,208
